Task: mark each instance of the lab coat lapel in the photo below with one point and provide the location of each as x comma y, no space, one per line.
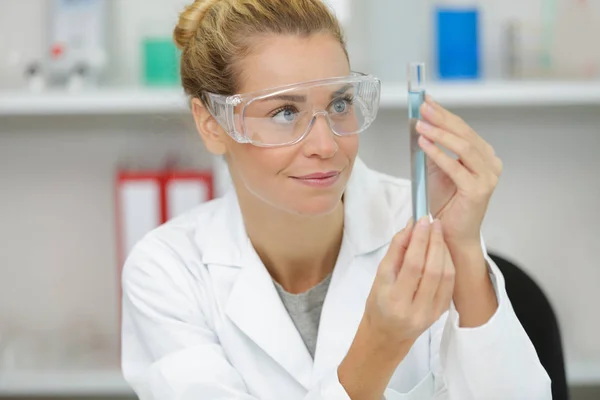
342,311
368,229
247,291
256,309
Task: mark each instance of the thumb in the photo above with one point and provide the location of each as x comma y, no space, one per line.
390,265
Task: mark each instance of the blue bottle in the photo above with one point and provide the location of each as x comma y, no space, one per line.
457,42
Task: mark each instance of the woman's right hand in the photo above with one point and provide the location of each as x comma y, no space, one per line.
413,286
412,289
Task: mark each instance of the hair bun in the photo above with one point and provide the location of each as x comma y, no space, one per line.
189,21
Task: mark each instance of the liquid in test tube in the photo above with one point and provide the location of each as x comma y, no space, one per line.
418,159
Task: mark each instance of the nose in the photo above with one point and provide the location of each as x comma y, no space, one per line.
320,139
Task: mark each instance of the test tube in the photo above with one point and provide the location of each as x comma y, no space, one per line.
418,159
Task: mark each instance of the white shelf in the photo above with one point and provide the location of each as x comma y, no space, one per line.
501,94
102,101
92,383
172,101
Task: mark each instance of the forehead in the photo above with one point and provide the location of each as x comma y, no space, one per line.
279,60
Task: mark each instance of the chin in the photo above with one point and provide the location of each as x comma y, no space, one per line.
315,207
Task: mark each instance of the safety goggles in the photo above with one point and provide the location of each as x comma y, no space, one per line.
284,115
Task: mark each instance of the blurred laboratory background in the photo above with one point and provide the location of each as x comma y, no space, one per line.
97,146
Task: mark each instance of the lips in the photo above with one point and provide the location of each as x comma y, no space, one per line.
318,175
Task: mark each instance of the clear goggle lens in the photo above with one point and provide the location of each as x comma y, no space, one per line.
285,117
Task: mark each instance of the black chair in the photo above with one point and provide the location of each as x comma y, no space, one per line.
537,316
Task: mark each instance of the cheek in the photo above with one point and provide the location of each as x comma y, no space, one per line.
348,145
257,163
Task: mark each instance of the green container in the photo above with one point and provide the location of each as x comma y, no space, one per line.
160,60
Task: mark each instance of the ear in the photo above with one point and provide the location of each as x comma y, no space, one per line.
212,134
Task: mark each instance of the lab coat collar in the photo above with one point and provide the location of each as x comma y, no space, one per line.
368,221
224,239
253,304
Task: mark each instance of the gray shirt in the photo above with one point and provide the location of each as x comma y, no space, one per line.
305,310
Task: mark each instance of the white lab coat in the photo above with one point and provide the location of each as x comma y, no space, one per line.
202,318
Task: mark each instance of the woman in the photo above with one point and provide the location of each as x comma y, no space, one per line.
306,281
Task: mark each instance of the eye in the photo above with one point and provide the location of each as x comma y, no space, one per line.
342,104
285,115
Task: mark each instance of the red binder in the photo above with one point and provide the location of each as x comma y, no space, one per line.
140,207
185,189
147,199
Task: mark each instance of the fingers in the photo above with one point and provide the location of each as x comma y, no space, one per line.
455,127
464,149
395,255
453,168
497,166
414,259
443,296
425,283
444,119
434,268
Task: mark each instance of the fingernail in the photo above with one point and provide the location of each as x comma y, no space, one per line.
410,222
437,225
425,142
423,126
423,223
427,109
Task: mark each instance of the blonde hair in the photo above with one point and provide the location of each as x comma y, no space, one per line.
215,35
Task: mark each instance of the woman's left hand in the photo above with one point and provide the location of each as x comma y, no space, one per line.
459,189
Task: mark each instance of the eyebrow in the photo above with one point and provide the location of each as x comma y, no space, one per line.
341,91
298,98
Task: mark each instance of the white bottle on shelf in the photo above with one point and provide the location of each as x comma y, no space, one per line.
78,30
36,80
20,47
